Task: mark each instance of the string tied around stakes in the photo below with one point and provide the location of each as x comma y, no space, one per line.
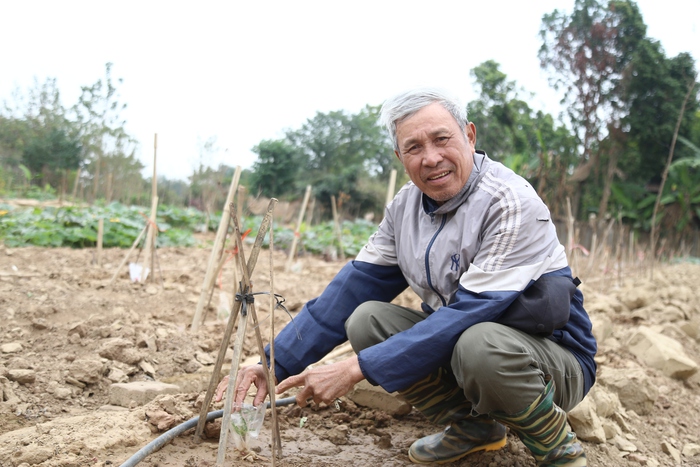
246,297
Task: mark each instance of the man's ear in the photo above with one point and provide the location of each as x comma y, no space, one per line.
397,155
470,131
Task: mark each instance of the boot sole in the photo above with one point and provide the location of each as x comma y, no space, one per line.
495,446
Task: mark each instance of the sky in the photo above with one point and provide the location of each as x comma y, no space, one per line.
242,72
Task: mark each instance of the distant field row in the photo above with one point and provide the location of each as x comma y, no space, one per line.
77,227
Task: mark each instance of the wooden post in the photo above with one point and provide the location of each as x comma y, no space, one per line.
64,181
275,425
241,201
336,227
216,252
109,190
391,187
570,235
292,250
630,249
149,255
593,224
233,373
100,234
96,179
310,211
148,251
75,183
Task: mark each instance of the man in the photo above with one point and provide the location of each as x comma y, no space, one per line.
502,338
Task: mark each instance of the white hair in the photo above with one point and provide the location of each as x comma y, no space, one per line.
404,105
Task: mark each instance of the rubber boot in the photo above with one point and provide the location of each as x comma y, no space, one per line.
442,401
543,429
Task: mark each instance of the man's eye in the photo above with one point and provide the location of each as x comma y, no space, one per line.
442,140
413,149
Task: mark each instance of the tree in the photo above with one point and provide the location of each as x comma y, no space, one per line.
587,52
346,154
372,143
654,87
52,149
276,169
529,143
501,116
38,134
101,126
208,186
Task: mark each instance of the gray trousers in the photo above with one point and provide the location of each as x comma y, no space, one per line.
498,368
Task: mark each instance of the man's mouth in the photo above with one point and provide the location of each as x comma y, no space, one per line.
440,175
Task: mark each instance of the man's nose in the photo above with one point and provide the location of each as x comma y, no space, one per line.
432,156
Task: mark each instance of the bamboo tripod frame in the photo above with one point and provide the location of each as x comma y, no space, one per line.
245,288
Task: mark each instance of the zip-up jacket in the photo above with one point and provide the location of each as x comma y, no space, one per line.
467,259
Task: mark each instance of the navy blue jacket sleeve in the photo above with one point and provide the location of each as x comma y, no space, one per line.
321,322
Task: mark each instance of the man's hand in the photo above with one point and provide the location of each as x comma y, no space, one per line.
247,376
325,383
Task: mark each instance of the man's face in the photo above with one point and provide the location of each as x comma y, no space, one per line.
435,152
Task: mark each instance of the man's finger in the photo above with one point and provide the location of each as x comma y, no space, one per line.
221,388
291,382
260,396
242,388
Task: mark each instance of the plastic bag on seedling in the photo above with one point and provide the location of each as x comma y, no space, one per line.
246,421
138,273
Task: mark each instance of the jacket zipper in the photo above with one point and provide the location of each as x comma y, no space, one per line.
427,256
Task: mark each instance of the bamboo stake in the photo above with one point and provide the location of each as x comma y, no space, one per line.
228,401
151,234
342,350
630,248
64,181
570,234
148,256
100,234
271,374
336,227
310,211
216,252
618,248
292,250
594,245
108,191
96,178
241,199
75,184
231,322
126,257
392,186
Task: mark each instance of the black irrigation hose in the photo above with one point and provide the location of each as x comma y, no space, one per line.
169,435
